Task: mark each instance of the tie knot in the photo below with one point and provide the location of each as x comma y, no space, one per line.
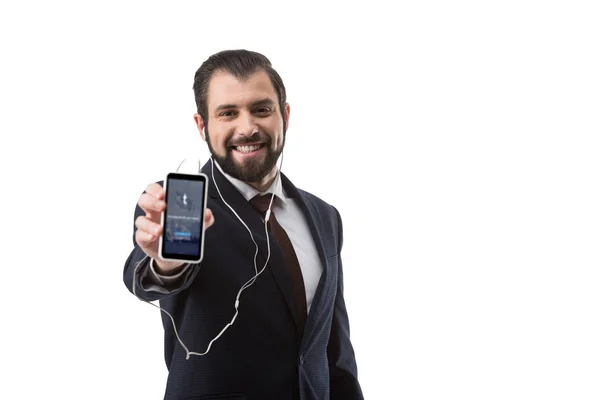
261,202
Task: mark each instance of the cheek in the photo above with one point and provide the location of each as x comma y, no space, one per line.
276,131
218,138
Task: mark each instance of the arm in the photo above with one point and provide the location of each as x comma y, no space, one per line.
343,373
149,284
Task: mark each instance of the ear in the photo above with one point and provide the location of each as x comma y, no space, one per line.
200,125
286,116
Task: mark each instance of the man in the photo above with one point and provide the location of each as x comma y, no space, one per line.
291,337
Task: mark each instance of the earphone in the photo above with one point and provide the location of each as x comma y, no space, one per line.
246,285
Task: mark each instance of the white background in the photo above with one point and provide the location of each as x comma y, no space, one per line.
459,140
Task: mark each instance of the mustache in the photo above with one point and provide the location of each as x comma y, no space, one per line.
243,140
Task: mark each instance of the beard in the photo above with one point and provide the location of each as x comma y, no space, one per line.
251,170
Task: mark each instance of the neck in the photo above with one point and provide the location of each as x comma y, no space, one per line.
266,182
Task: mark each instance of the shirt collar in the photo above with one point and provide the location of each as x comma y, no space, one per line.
249,192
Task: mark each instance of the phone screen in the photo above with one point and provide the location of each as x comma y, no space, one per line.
183,218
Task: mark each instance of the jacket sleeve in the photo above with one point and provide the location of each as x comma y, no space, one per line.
343,373
144,283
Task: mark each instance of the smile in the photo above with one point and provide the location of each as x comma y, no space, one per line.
248,149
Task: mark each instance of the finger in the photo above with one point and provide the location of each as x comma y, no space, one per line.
144,239
151,205
148,226
156,191
209,218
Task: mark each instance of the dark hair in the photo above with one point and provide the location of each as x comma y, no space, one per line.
241,64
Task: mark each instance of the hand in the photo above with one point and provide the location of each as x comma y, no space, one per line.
149,228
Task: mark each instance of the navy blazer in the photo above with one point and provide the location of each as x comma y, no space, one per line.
263,355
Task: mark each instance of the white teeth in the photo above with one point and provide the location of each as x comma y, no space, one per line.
248,149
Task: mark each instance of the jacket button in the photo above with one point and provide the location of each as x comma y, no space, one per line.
301,359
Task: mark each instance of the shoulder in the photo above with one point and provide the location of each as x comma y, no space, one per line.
315,200
310,199
324,208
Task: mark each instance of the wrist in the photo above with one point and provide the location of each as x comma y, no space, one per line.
167,268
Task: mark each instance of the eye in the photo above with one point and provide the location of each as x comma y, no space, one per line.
263,110
226,114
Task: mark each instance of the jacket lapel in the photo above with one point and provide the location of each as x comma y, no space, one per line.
312,217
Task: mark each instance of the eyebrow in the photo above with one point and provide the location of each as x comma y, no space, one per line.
262,102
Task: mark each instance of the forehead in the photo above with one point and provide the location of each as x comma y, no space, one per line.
225,88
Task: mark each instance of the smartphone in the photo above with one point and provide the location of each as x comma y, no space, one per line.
183,219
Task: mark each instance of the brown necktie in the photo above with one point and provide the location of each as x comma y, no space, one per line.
261,204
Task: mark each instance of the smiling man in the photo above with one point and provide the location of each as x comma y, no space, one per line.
247,126
291,338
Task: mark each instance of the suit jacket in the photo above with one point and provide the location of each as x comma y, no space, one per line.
263,355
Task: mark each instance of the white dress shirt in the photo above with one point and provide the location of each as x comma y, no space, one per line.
291,218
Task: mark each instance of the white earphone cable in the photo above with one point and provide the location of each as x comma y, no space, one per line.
246,285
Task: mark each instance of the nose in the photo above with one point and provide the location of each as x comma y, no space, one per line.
247,124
